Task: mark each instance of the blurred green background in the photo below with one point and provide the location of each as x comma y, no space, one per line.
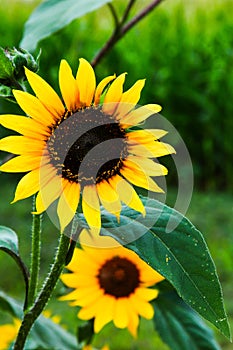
184,49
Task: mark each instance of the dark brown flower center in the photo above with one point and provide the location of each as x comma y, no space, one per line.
119,277
87,146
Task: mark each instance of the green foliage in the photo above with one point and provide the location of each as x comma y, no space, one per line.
9,244
52,15
179,326
45,333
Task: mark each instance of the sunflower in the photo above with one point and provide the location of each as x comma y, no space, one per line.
8,333
85,144
110,284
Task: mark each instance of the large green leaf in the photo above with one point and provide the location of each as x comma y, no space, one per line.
52,15
45,334
9,244
181,256
179,326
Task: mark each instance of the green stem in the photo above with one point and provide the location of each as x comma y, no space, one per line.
41,301
35,258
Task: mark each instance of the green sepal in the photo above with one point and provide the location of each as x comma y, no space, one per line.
6,67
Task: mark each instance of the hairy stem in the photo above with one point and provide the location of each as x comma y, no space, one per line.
123,29
41,301
35,258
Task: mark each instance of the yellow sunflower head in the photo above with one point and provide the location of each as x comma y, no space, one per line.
111,284
83,144
8,333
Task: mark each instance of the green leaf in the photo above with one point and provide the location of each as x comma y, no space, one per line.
181,256
85,333
7,305
179,326
9,244
6,67
52,15
45,334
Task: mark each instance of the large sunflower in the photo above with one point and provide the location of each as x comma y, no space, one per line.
84,144
110,284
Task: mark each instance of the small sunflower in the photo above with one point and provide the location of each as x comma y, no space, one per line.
8,333
84,144
111,284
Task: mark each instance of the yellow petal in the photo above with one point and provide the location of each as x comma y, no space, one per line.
92,310
140,114
150,150
34,108
86,82
68,203
127,193
121,318
100,88
21,145
27,186
68,86
113,95
23,125
146,293
48,194
45,93
145,165
91,208
129,99
142,307
21,164
149,276
146,135
107,313
133,322
109,198
141,180
89,298
79,258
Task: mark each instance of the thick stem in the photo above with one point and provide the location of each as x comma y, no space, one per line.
35,258
40,303
117,35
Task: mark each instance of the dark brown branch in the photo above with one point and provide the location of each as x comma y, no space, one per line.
118,34
127,11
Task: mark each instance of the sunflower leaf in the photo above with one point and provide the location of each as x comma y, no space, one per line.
52,15
9,244
179,326
181,255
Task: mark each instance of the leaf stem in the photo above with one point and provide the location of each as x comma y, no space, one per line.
127,11
114,15
41,301
35,258
123,29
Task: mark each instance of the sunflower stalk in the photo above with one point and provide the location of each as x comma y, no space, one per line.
123,28
35,259
50,283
